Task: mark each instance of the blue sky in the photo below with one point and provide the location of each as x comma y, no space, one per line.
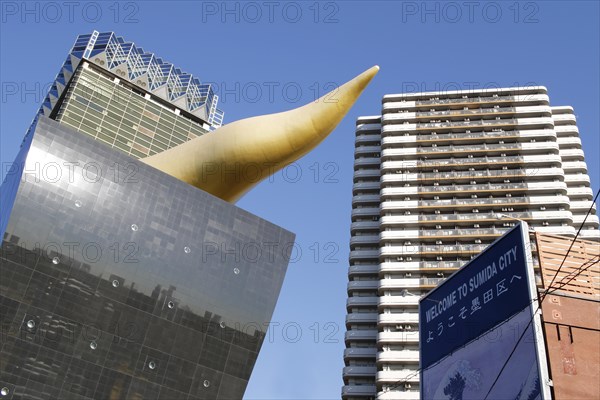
272,56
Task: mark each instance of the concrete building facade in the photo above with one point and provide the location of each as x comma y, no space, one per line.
437,177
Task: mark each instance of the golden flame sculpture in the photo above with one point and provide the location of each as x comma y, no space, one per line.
232,159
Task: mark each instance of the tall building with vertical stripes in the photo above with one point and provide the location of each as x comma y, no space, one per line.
128,98
437,177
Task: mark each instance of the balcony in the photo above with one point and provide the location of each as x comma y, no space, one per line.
363,301
368,138
571,154
399,394
359,371
364,239
368,127
398,318
364,254
582,206
366,199
577,179
361,318
365,211
364,161
521,111
391,205
463,125
464,250
413,266
525,147
362,285
564,118
499,174
575,166
391,102
590,234
580,191
392,222
408,375
367,149
530,187
359,391
477,137
360,352
364,225
416,234
398,356
566,130
361,269
367,173
365,186
570,141
590,221
408,283
545,160
360,335
398,337
395,301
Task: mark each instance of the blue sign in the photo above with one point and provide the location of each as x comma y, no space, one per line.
488,290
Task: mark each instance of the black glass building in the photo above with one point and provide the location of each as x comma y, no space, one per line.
119,281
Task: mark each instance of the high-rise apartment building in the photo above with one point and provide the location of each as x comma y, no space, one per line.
128,98
437,177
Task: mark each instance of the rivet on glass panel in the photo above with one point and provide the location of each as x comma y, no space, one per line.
78,203
4,391
170,304
115,283
206,383
93,345
187,250
236,271
152,365
222,324
31,324
55,260
134,227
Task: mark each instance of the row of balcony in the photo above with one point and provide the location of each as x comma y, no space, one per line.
444,219
404,266
359,391
566,118
463,125
478,137
390,205
395,102
571,154
557,188
572,141
382,301
531,159
548,147
415,266
367,161
577,179
521,111
548,173
403,283
574,166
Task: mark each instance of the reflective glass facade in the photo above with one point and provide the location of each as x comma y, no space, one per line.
119,281
98,105
141,72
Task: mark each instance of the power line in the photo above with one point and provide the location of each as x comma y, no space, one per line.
509,356
571,246
543,297
405,380
580,271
